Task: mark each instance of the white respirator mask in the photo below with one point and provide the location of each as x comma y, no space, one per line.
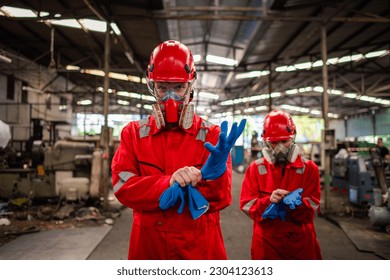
280,154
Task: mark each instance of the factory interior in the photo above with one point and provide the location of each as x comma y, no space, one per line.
72,75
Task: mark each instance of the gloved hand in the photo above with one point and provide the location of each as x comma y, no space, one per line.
215,165
275,210
197,204
171,196
271,212
293,198
278,210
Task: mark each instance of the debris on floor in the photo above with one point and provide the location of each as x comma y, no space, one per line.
20,216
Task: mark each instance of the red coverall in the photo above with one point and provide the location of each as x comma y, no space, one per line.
141,169
275,239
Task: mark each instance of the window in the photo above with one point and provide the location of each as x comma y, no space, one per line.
10,87
24,98
63,105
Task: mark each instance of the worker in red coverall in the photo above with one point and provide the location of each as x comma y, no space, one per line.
165,148
268,180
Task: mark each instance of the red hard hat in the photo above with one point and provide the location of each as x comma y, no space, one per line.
278,125
171,61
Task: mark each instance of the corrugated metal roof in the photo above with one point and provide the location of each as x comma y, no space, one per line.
260,35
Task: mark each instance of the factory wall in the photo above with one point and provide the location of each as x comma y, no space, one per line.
21,98
377,123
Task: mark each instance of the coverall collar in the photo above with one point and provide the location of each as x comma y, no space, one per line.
298,163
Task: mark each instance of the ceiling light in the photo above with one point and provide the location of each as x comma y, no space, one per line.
94,25
65,22
315,112
335,116
331,61
84,102
5,59
123,102
377,53
249,110
136,95
261,108
252,74
292,91
72,68
208,95
115,28
295,108
350,95
221,60
197,57
26,88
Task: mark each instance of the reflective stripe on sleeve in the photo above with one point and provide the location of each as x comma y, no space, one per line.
144,128
262,169
201,135
301,170
311,202
203,131
124,176
144,131
248,206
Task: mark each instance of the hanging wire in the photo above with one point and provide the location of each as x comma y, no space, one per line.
52,65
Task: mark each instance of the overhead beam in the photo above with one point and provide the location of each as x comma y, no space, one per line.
223,17
270,18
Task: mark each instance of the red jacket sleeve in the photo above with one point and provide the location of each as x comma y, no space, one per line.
253,201
131,189
311,195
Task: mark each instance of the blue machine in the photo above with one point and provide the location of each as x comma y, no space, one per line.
354,173
361,181
237,155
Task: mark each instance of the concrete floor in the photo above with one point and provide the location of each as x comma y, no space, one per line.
341,238
335,242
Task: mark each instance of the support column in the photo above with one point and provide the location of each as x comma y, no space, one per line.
325,154
105,132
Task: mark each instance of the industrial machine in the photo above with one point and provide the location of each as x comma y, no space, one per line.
354,174
367,181
379,213
70,170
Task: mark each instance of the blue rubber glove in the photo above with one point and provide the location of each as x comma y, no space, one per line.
171,196
282,211
293,198
271,212
197,204
275,210
215,165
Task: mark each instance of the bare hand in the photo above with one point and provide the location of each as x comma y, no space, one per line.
185,176
277,195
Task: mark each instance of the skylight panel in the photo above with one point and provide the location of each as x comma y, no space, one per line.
19,12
